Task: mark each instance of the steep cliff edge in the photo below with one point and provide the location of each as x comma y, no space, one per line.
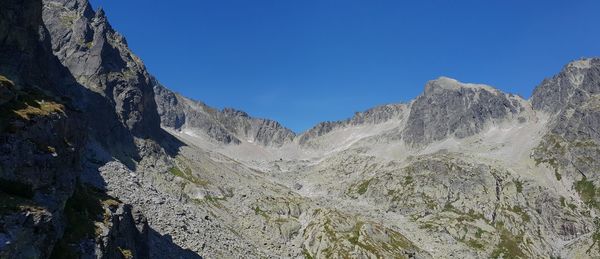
46,119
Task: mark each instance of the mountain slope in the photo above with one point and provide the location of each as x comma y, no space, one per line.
100,160
419,163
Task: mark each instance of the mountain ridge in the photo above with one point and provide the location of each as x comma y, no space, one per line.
99,160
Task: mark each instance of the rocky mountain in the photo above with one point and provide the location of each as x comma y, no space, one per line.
226,126
99,160
448,108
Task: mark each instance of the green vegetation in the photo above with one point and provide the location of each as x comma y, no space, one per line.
306,253
28,104
13,203
35,107
475,244
362,187
596,235
408,180
587,191
519,186
470,216
355,233
363,235
553,146
572,206
187,175
126,253
508,247
258,211
479,233
524,216
214,200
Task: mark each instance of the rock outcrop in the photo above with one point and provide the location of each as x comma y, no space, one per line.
99,59
375,115
449,108
227,126
47,116
576,82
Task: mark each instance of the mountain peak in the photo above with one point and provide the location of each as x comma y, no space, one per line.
573,85
583,63
447,83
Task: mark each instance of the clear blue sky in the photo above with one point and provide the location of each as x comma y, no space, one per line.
303,61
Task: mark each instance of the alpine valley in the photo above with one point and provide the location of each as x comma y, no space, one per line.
99,160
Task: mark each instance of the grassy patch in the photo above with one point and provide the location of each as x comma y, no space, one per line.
355,233
306,254
28,104
519,186
508,247
126,253
587,191
187,175
524,216
363,187
258,211
479,233
408,180
12,203
475,244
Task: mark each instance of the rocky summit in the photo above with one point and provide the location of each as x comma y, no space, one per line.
100,160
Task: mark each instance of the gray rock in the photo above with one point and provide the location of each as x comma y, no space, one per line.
100,60
226,126
449,108
575,83
379,114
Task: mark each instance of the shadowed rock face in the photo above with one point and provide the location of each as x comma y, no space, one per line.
40,136
99,59
576,83
449,108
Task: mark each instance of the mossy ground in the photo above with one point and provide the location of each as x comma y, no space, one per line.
27,105
587,191
186,173
508,247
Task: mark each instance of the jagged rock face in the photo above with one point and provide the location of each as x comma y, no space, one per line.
100,60
572,145
576,83
44,113
226,126
39,137
179,113
449,108
266,132
375,115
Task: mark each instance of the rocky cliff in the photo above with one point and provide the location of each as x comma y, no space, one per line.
49,111
227,126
